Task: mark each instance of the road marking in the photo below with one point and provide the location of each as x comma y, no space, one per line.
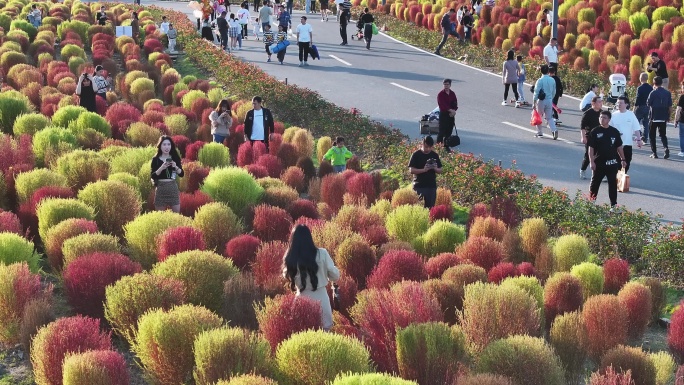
534,131
409,89
340,60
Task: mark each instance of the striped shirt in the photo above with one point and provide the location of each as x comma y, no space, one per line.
268,38
281,37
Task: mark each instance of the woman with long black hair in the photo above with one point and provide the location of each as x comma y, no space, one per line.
366,20
166,167
308,270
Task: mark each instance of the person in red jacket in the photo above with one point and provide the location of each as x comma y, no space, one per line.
448,104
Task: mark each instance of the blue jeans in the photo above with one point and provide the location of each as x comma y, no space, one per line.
681,136
219,138
339,169
307,6
239,37
521,87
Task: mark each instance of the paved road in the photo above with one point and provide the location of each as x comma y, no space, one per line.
396,84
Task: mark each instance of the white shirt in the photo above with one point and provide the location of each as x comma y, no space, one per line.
549,17
243,16
551,53
587,99
258,125
304,33
164,27
459,15
233,23
627,123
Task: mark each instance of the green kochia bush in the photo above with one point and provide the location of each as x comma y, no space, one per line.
165,340
51,141
51,211
233,186
568,337
526,360
115,204
591,277
141,234
104,367
248,379
214,155
316,357
87,243
67,114
665,367
570,250
371,379
442,237
218,224
81,167
406,222
30,123
131,159
629,358
430,353
532,286
203,274
132,296
26,183
91,120
227,352
12,104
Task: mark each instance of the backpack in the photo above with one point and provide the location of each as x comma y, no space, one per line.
542,94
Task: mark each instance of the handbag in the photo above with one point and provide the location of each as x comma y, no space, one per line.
536,119
622,181
375,29
453,140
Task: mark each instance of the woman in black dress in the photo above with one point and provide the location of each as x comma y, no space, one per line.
86,90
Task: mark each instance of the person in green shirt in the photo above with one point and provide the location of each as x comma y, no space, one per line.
338,155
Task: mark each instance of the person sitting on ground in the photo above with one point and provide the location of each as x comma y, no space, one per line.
338,155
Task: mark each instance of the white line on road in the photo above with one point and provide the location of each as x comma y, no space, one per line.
340,60
409,89
534,131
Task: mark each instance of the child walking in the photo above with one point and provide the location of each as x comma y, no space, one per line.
338,155
268,40
522,71
281,37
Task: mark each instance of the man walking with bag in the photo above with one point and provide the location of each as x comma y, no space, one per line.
448,105
544,90
627,123
606,157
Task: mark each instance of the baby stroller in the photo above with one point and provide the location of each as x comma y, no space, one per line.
618,84
359,31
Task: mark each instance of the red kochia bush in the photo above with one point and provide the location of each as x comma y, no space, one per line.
54,240
562,294
437,265
15,151
615,275
9,222
107,364
242,250
362,185
119,112
285,315
190,202
478,210
303,208
395,266
502,271
482,251
333,187
178,239
376,235
86,278
348,289
181,141
638,302
245,154
61,338
441,212
268,261
271,163
195,174
257,171
675,336
294,177
287,153
192,149
271,223
527,269
606,321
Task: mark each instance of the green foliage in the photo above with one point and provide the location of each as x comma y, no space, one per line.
314,357
532,286
132,296
591,277
140,134
218,224
570,250
165,340
141,234
228,352
115,204
140,85
639,22
587,14
406,222
442,237
52,141
91,120
131,159
72,51
214,155
80,27
664,254
30,123
568,337
633,359
215,95
126,178
25,26
526,360
664,14
248,379
15,248
190,97
51,211
533,235
12,105
430,353
370,379
88,243
81,167
67,114
233,186
177,124
202,273
26,183
382,207
665,367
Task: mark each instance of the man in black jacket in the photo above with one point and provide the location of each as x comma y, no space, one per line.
559,91
344,14
259,124
660,103
222,25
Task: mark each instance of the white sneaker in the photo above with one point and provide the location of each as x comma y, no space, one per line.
504,103
583,174
680,154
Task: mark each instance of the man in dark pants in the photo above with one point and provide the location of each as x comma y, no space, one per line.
559,91
448,104
424,165
468,24
259,124
590,119
222,25
606,157
660,103
640,107
344,13
447,30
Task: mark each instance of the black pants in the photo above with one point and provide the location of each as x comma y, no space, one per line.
596,178
343,32
628,156
224,39
661,127
446,128
268,50
290,5
244,30
281,54
429,195
304,51
256,5
445,37
368,33
555,102
585,160
515,90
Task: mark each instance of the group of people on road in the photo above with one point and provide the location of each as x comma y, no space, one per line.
449,25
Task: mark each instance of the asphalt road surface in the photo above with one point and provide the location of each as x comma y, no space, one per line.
396,84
